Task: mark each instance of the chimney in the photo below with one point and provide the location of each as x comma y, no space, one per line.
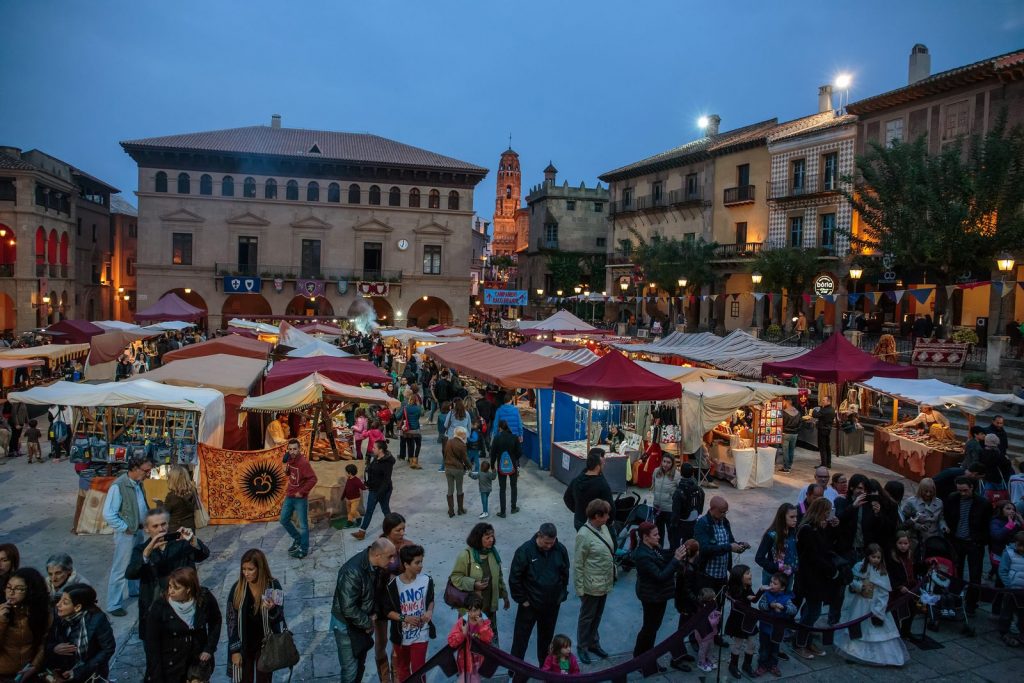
275,121
825,99
714,120
920,66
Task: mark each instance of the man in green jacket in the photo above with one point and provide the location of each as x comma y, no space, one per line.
593,577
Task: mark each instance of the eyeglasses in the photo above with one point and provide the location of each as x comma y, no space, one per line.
16,589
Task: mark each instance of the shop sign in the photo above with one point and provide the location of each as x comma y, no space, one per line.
373,288
505,297
824,285
234,284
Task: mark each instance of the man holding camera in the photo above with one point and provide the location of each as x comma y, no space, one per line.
153,560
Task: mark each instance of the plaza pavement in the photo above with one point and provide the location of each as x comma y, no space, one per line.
37,503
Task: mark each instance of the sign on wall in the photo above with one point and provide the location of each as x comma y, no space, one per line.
235,284
367,288
309,287
824,285
505,297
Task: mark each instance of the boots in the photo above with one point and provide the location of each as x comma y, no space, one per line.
384,670
462,507
451,506
734,666
748,666
414,463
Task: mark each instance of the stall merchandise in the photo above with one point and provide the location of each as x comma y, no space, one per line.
938,394
171,307
913,454
232,345
242,487
353,371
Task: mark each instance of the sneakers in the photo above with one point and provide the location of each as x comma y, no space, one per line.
293,547
502,515
783,656
359,535
120,612
299,554
483,515
515,510
706,666
816,651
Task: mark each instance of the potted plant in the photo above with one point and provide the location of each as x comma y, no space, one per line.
773,331
965,335
976,380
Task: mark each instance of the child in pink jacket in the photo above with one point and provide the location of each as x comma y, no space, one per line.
560,659
359,432
474,624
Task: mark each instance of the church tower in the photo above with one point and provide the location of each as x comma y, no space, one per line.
507,202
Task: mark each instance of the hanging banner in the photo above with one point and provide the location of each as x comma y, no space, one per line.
505,297
921,294
234,284
368,288
309,287
713,297
897,295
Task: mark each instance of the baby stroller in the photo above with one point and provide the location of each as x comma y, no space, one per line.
948,595
626,532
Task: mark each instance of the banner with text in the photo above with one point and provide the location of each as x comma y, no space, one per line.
505,297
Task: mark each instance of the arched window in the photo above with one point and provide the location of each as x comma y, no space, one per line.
313,191
453,201
291,192
394,197
353,194
205,184
51,248
64,243
161,182
184,184
334,192
508,192
374,194
227,187
249,188
270,189
414,198
435,200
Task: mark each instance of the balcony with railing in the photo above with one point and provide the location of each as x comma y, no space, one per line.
657,202
809,185
297,272
741,250
744,194
684,197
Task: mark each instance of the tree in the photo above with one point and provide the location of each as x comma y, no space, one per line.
665,260
789,268
945,214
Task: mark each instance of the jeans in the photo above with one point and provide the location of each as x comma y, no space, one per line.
662,521
373,499
526,617
352,670
654,613
513,482
825,447
809,614
788,450
484,495
123,544
973,555
474,459
300,506
591,611
769,654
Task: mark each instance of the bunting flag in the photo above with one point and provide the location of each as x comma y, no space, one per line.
921,294
1021,285
830,298
806,298
771,297
998,288
853,298
1008,287
897,295
949,291
735,296
972,285
872,297
713,297
760,295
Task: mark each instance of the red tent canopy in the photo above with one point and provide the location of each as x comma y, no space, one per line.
73,331
614,377
171,307
232,345
837,361
344,370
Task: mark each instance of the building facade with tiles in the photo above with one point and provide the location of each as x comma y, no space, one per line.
270,222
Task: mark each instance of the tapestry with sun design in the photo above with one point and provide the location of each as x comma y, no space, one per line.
242,487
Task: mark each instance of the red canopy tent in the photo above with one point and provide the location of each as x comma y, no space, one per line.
352,371
73,331
614,377
837,361
232,345
171,307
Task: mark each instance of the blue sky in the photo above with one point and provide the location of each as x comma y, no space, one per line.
590,85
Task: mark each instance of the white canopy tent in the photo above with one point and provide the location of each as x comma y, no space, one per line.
262,328
562,321
738,352
936,393
116,325
140,393
169,326
707,403
314,390
407,335
318,347
682,373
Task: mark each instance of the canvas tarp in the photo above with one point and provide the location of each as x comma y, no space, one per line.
682,373
232,345
318,347
312,390
613,377
115,325
506,368
936,393
262,328
352,371
562,321
112,343
321,330
73,331
411,335
579,356
171,307
139,393
837,361
169,326
738,352
707,403
53,354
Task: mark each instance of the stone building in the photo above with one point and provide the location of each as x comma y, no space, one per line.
124,233
267,221
95,284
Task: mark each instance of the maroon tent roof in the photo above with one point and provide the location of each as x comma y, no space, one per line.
345,370
73,331
171,307
837,361
614,377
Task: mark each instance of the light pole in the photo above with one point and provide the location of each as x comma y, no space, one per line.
855,274
755,280
682,282
1005,264
577,289
540,301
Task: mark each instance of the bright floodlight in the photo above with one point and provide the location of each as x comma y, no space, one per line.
843,81
703,122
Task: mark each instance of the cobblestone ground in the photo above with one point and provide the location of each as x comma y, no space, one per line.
37,504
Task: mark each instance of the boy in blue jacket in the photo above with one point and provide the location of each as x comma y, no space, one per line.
776,600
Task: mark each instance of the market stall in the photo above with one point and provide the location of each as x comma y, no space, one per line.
171,307
232,345
318,347
73,331
914,453
738,352
8,368
599,394
106,348
352,371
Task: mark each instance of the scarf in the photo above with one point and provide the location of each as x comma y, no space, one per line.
186,611
76,633
481,558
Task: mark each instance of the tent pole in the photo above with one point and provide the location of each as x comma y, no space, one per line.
329,429
554,414
590,414
895,410
312,436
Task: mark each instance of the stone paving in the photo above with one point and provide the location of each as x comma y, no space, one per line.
37,504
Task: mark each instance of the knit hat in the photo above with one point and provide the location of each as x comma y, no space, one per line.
991,441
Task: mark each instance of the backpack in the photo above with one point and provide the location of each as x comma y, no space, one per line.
687,498
505,464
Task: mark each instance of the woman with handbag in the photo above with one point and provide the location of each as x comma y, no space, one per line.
478,569
254,611
411,439
182,630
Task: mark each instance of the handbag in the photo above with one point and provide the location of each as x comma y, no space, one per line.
454,596
201,515
278,651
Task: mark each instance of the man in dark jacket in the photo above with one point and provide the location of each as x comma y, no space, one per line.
587,487
154,560
353,604
717,544
967,517
945,481
687,506
997,428
443,389
538,580
826,415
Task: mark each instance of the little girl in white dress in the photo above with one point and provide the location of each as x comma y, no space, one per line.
880,641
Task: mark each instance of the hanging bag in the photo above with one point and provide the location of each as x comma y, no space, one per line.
454,596
278,651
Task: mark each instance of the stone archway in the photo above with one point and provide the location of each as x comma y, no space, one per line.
244,306
301,305
429,311
192,298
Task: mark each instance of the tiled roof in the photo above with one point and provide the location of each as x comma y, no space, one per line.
14,164
300,142
809,124
1009,65
692,151
119,204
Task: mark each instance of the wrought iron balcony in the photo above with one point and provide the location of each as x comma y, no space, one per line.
270,272
739,250
744,194
808,185
686,196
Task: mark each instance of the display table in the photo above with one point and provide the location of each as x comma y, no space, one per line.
569,460
913,460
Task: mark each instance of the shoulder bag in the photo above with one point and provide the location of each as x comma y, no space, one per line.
278,651
454,596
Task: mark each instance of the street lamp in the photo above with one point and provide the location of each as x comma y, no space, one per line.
856,272
682,282
755,279
1005,264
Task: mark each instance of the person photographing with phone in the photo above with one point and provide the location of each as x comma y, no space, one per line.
153,560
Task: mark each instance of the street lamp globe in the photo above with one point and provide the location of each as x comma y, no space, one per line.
559,292
682,282
1005,263
856,272
540,291
577,289
623,285
756,277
